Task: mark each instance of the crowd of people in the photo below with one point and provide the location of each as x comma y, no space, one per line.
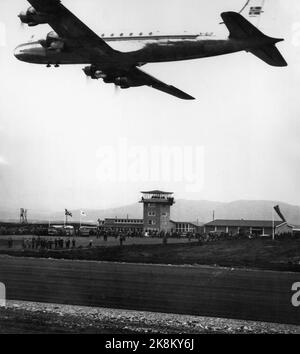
50,243
56,243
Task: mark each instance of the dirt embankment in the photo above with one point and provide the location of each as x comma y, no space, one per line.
31,317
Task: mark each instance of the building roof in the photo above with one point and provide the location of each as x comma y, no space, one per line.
124,220
157,192
184,222
285,223
243,223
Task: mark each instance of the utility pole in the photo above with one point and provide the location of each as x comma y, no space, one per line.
273,225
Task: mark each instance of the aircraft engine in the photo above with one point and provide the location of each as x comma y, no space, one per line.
32,18
54,42
94,73
123,82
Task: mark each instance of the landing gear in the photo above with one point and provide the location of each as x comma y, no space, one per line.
56,65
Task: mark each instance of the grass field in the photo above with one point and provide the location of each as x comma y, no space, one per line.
259,253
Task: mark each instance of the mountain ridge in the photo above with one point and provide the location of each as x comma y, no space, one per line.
183,210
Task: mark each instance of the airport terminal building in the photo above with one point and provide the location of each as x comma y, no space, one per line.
156,217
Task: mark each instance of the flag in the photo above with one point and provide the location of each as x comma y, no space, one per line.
256,11
82,213
279,213
67,213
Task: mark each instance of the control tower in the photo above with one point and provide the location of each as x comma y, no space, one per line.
157,206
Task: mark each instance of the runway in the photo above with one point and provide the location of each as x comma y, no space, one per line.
204,291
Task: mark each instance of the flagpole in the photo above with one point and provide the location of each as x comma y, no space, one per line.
273,225
80,219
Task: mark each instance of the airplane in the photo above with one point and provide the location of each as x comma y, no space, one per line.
72,42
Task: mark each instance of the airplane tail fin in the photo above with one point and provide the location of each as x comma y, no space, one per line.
242,29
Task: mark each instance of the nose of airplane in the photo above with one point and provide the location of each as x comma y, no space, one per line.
17,52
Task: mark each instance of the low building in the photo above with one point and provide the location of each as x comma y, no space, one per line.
242,227
123,225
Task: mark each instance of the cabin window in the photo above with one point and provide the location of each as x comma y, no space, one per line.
150,34
141,33
122,34
102,35
112,35
131,34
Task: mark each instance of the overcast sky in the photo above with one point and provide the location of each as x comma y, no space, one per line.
242,131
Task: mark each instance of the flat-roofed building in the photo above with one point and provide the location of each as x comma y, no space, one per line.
122,224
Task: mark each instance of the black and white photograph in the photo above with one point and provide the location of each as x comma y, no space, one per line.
149,170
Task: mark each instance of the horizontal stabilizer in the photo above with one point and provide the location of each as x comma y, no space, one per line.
269,54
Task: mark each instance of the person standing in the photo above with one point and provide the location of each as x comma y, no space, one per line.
10,242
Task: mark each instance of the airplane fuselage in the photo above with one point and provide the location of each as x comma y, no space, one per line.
136,50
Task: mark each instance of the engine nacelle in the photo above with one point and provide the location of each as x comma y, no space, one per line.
123,82
54,42
32,17
94,73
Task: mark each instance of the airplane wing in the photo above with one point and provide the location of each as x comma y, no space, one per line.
70,28
140,78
